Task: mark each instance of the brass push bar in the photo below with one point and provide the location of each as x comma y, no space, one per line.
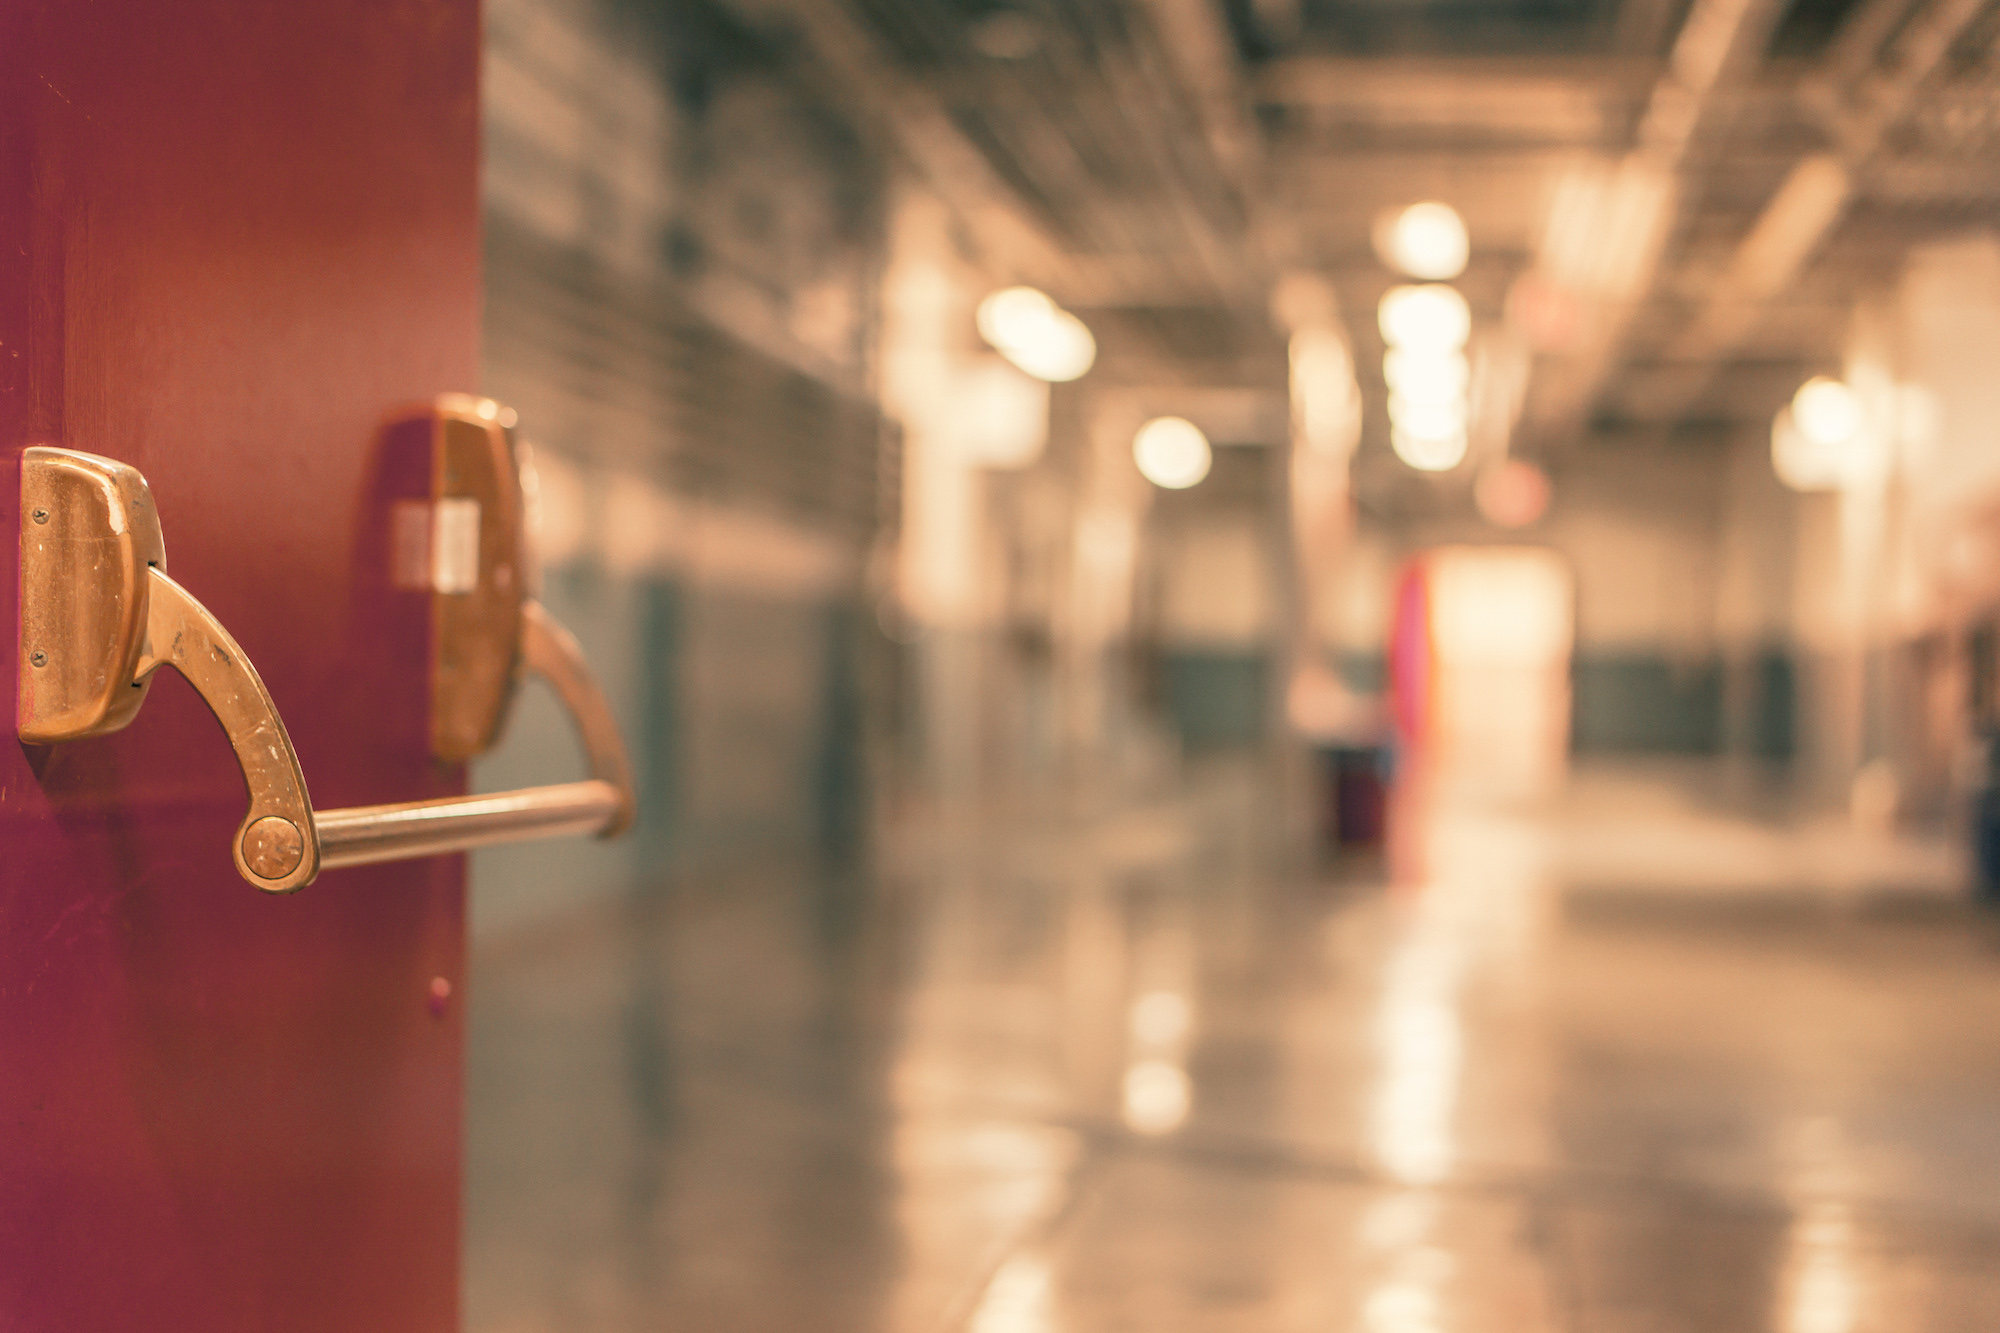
602,805
99,616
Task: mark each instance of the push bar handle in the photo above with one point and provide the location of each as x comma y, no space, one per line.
602,806
283,842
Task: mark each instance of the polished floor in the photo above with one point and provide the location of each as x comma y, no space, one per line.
1628,1062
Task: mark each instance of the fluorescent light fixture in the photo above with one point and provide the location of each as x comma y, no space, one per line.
1428,454
1428,418
1426,376
1827,411
1799,463
1432,318
1425,240
1036,334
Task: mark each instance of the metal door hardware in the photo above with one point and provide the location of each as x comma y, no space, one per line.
99,615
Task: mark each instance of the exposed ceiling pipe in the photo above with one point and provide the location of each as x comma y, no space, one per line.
1153,97
908,116
1205,63
1816,194
1603,247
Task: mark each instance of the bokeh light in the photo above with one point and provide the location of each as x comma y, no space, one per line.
1426,376
1171,452
1426,240
1429,453
1428,318
1427,418
1827,411
1036,334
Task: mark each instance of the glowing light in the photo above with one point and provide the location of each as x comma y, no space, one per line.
1512,495
1426,376
1797,461
1036,334
1012,314
1156,1096
1426,240
1425,328
1432,318
1427,418
1827,412
1426,454
1171,452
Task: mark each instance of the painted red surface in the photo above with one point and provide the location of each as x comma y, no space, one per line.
1410,654
234,235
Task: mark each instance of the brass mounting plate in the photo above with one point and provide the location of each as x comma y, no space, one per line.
89,531
479,580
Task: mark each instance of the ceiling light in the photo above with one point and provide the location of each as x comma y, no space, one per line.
1429,455
1012,313
1827,411
1430,419
1171,452
1426,240
1801,462
1036,334
1432,318
1426,376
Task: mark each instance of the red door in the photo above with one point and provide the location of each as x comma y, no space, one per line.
235,235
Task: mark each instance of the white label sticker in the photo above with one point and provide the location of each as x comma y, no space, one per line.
455,546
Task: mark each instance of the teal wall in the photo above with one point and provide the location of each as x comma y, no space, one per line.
643,275
732,766
1645,703
1216,699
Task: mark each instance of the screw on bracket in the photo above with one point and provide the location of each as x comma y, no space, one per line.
39,659
41,516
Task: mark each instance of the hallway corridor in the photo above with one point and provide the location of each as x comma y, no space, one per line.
1118,1073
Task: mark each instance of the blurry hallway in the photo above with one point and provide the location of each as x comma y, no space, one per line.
1294,664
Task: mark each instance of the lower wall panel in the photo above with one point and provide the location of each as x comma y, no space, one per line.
743,715
1646,703
1216,699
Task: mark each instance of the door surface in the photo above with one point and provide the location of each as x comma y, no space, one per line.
235,236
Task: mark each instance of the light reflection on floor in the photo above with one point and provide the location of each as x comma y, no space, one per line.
1063,1076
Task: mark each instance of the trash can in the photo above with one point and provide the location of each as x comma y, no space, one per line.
1357,795
1986,824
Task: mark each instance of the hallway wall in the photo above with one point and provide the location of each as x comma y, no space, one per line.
681,265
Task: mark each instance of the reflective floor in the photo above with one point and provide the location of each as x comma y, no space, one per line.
1629,1063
